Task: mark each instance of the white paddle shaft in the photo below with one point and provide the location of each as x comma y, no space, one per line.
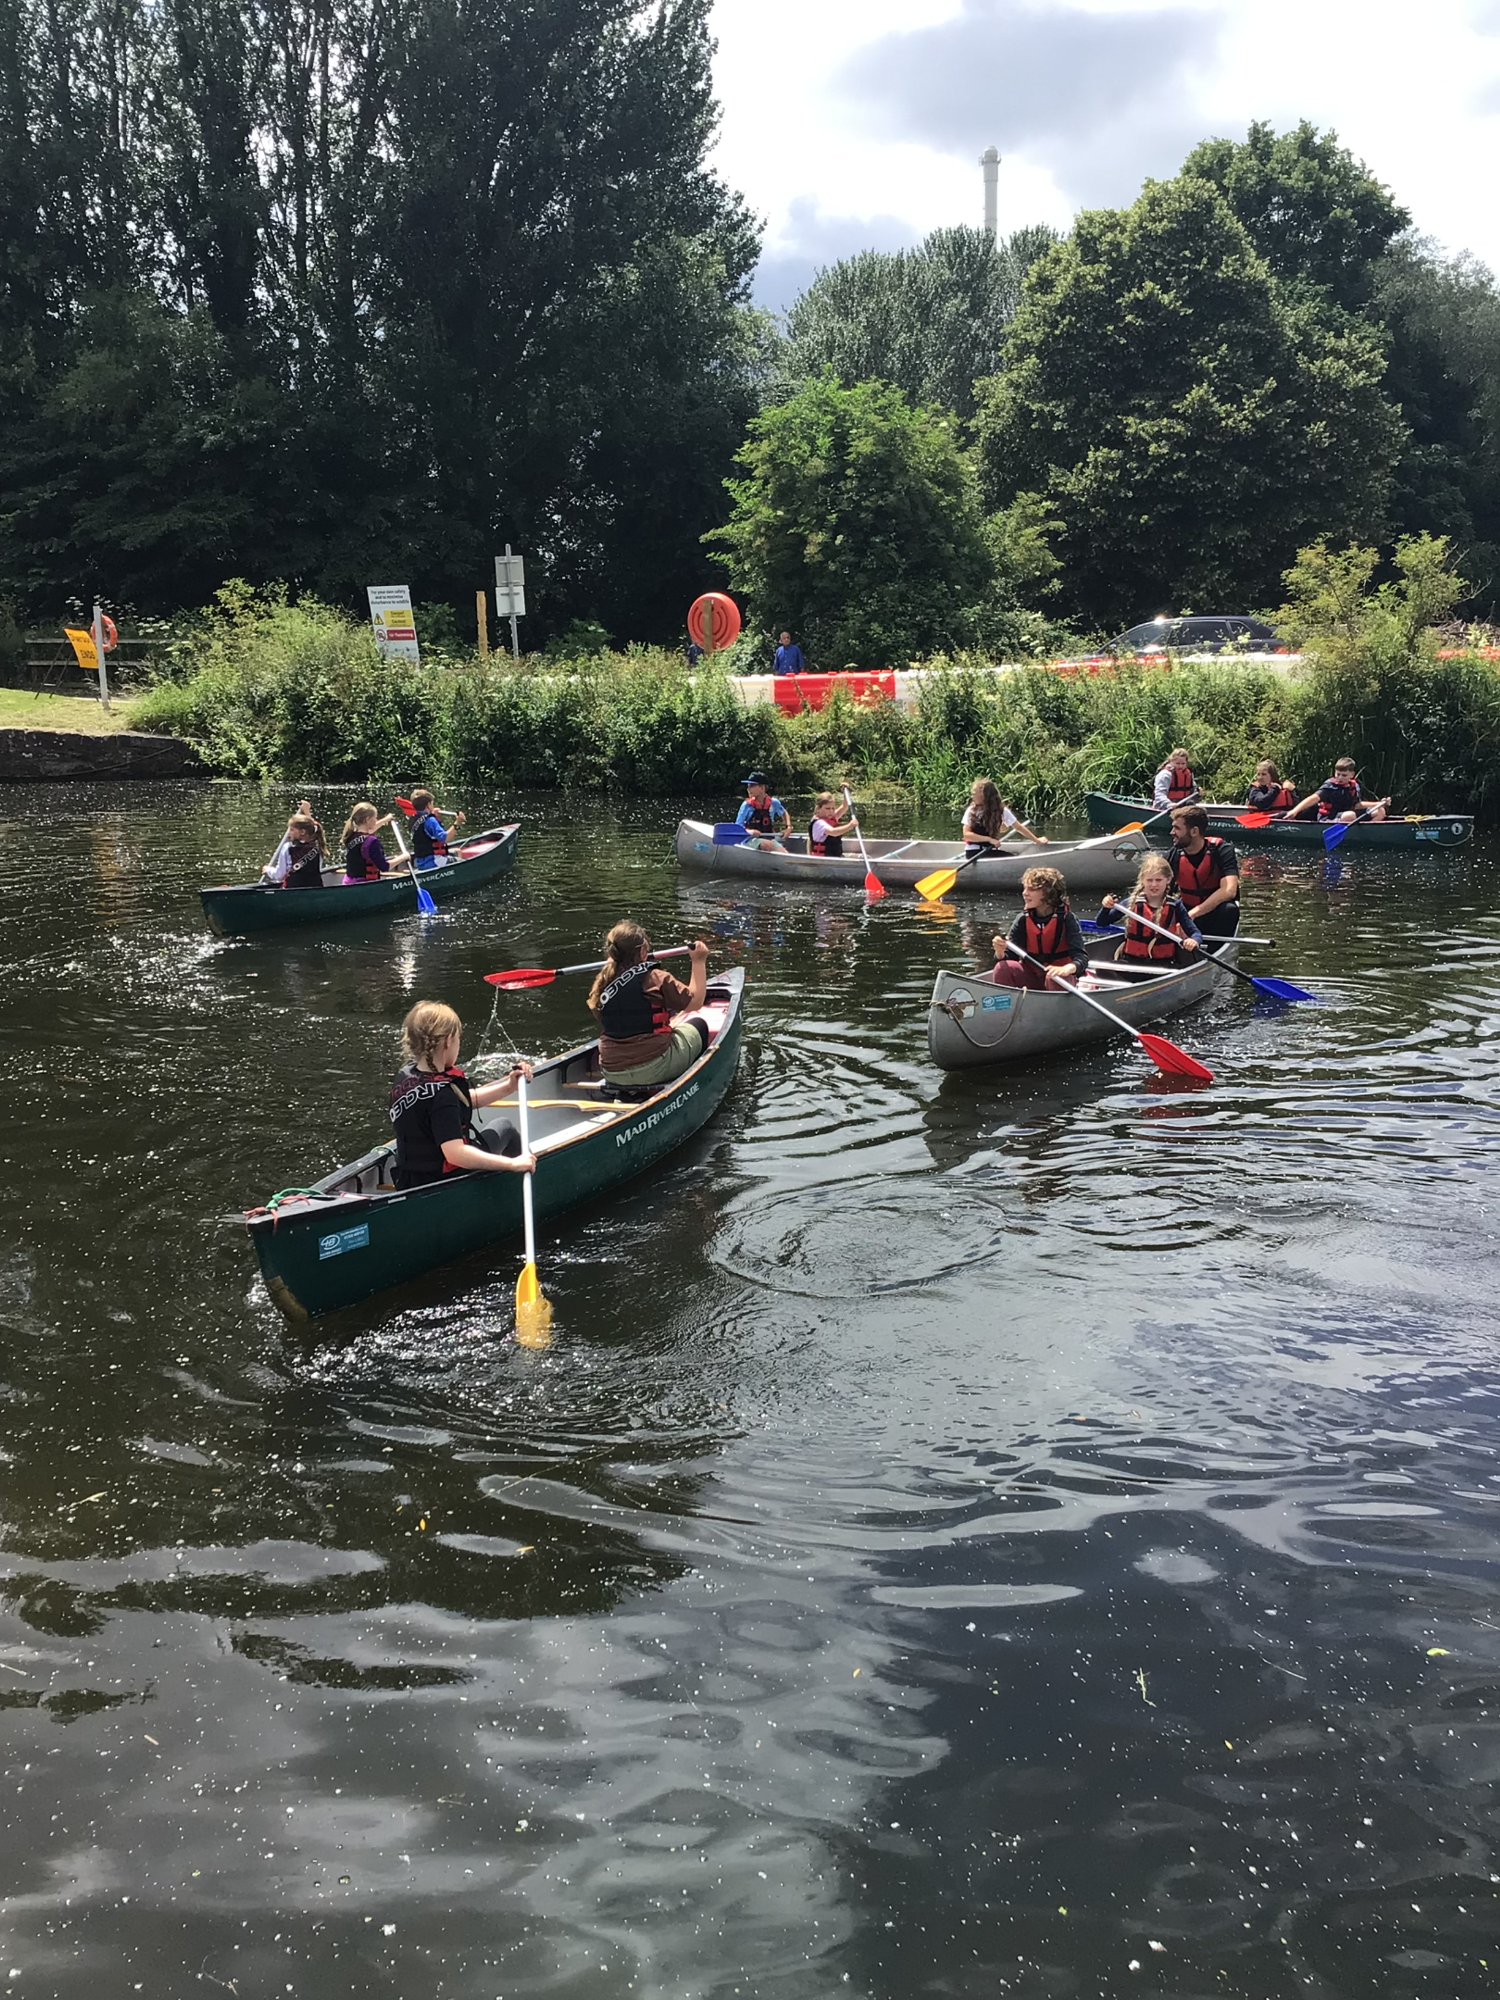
526,1214
858,834
1069,986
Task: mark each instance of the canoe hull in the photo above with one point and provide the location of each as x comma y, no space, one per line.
1108,810
972,1024
1102,864
245,910
318,1256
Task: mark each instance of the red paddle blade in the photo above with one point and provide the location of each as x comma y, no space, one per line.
523,976
1173,1061
874,887
1253,819
406,805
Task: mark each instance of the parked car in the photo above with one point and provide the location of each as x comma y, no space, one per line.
1218,634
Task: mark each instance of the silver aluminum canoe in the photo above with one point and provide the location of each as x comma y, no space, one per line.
1109,861
971,1022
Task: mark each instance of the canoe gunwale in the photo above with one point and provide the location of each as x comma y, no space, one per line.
225,905
1408,832
1101,861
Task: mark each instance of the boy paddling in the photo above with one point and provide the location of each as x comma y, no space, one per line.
764,818
1338,798
1046,930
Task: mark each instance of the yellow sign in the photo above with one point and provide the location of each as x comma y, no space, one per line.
84,647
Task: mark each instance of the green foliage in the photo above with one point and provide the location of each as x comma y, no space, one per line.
1317,215
344,292
930,320
1187,425
857,524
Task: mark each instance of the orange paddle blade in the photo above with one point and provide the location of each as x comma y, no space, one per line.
1173,1061
523,976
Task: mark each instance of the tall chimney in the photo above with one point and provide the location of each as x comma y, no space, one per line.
989,159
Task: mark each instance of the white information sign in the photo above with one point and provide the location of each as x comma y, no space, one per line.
510,586
395,627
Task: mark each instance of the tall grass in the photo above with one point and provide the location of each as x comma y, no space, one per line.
266,689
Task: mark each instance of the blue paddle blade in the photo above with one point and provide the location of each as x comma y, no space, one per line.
1097,930
728,833
1332,835
425,903
1280,989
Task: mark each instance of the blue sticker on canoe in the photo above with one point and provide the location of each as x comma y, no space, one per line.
1427,833
997,1003
357,1238
702,846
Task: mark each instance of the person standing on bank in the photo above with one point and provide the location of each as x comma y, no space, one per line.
764,818
789,658
1206,872
642,1039
1174,781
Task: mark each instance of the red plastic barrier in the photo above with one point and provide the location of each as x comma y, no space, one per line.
794,692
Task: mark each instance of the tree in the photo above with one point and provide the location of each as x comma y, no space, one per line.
930,320
1187,425
1317,215
857,523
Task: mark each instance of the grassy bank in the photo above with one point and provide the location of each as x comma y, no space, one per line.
279,692
80,715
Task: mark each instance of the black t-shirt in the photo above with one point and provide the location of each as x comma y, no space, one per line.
427,1107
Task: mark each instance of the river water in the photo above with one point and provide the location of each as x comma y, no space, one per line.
1004,1535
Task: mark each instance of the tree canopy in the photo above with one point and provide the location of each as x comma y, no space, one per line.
857,523
296,290
1185,423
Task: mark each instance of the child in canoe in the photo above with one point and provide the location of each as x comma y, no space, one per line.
826,833
1047,930
429,837
1153,896
432,1105
1338,798
365,860
298,862
643,1038
763,816
988,819
1270,793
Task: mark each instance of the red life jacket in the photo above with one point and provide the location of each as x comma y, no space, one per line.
1351,802
626,1010
1048,942
761,818
358,866
1143,944
1180,785
833,844
424,842
1198,875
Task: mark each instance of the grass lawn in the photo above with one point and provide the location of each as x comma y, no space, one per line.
79,714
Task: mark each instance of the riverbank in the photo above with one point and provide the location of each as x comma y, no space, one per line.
76,714
46,756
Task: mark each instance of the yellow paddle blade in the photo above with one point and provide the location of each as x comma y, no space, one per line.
1132,826
533,1312
937,884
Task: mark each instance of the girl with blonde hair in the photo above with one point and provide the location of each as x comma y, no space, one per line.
365,859
1153,896
432,1105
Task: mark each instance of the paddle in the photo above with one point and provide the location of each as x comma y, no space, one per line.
1276,989
729,833
533,1312
1253,819
874,887
1335,835
424,902
1113,930
524,976
1169,1059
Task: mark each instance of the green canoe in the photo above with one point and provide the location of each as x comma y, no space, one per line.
353,1233
237,912
1107,810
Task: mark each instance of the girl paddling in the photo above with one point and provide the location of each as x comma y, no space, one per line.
298,862
1153,897
826,833
365,860
988,819
432,1106
1269,793
642,1039
1046,930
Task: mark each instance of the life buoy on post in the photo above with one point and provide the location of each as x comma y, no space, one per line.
713,621
111,633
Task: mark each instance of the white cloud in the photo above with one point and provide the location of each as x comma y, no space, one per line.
857,123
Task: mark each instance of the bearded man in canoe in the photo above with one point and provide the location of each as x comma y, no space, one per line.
1206,872
764,818
1337,798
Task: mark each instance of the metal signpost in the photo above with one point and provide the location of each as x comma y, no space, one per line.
510,594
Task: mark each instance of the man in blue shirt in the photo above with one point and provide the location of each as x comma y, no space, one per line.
789,658
764,817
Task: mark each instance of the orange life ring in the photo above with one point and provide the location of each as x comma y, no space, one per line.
110,631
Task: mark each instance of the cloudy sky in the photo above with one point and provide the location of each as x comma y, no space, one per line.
857,123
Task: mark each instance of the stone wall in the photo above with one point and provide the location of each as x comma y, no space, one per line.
43,756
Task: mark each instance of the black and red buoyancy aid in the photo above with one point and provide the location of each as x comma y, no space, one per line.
1198,875
831,843
358,863
424,842
1143,944
304,865
1048,942
761,819
627,1010
1349,786
1180,785
413,1087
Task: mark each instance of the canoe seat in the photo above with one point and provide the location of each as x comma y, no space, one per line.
630,1093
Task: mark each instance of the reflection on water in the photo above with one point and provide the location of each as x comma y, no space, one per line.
1012,1534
